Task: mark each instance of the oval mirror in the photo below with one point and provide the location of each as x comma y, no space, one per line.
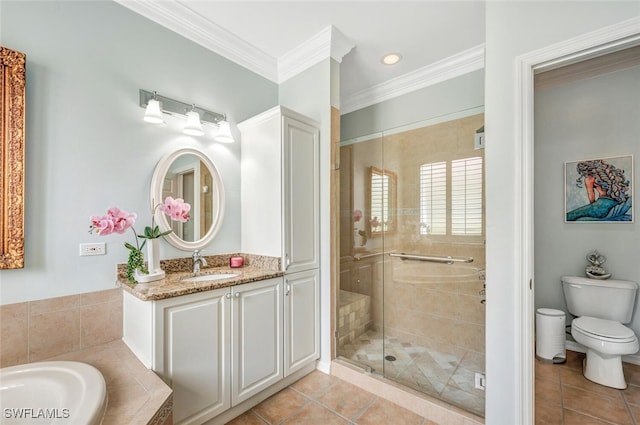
191,175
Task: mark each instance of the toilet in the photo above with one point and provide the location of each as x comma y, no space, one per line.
602,307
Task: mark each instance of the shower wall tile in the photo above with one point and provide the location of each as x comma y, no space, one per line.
36,330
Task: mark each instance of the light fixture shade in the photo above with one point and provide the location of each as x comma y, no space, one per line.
224,133
193,127
153,114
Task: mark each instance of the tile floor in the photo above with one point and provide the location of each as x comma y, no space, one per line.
323,399
565,397
443,371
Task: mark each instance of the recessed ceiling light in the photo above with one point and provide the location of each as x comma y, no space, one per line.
391,58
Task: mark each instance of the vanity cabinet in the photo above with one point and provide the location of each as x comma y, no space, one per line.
302,320
192,353
217,349
280,188
256,338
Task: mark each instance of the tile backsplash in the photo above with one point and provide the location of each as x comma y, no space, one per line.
36,330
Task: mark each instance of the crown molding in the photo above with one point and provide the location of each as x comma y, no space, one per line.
329,42
177,17
454,66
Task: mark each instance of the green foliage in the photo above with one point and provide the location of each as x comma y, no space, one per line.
135,261
154,233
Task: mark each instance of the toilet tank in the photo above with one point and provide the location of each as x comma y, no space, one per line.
604,299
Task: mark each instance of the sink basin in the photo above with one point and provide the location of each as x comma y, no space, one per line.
58,392
209,277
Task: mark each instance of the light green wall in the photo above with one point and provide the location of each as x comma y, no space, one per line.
87,148
459,94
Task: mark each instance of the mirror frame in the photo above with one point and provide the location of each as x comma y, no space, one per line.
393,201
12,158
157,182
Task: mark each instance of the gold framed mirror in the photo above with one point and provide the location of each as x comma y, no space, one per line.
382,201
12,158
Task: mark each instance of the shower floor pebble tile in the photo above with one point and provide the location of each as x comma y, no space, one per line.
443,371
323,399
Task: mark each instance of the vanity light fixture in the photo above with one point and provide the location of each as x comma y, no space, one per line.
224,133
193,127
196,116
391,58
152,113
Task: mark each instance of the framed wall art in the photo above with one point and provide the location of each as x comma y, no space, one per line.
599,190
12,158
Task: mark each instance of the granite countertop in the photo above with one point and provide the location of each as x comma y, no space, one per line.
256,268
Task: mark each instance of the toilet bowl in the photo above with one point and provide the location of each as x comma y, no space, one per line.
606,341
601,309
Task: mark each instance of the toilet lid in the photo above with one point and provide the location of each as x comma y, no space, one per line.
604,328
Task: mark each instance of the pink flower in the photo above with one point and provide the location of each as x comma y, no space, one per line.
115,220
177,209
357,215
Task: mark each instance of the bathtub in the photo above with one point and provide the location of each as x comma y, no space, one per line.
56,392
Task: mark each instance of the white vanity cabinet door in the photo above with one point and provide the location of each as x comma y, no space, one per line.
301,195
302,320
256,337
280,188
193,353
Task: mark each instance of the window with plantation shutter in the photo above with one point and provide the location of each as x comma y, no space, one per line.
466,196
433,199
379,201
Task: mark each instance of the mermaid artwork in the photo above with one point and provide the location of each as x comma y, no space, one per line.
608,192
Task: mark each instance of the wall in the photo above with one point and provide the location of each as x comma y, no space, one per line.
87,147
458,94
513,29
584,119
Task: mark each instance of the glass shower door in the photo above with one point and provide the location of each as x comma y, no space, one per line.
412,258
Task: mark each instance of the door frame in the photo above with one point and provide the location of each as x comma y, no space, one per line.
619,36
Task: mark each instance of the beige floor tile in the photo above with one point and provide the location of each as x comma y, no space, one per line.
576,379
575,418
548,414
548,371
315,414
280,406
631,373
548,392
346,399
632,394
635,412
596,405
314,384
385,412
247,418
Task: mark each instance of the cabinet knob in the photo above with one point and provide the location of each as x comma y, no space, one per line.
286,293
237,295
228,296
287,261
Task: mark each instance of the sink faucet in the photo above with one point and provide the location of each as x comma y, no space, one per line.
198,260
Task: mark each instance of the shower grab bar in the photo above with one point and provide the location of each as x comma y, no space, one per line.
434,259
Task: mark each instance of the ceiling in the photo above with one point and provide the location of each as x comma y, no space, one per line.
268,36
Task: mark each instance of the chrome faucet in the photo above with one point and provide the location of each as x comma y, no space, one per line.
198,260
